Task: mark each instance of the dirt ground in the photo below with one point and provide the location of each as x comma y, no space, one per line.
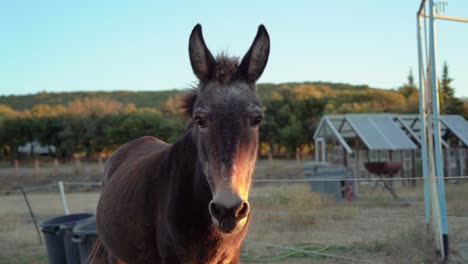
290,224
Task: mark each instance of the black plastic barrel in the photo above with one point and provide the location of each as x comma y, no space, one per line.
84,236
57,240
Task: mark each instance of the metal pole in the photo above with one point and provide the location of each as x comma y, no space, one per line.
32,214
433,196
436,128
449,18
63,197
422,117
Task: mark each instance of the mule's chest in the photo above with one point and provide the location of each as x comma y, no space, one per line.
199,251
212,256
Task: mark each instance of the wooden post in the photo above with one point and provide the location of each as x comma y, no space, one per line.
37,167
77,165
100,164
56,163
270,159
298,158
17,173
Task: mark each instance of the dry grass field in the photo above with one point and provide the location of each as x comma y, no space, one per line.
290,224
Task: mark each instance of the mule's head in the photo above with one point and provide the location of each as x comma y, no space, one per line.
226,114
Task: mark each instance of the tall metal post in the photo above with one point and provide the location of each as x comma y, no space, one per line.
422,117
436,129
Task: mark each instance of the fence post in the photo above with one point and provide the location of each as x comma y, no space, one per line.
56,164
270,159
100,164
32,214
37,167
17,167
63,197
77,166
298,158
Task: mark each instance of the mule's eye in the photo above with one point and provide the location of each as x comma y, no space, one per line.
200,122
256,121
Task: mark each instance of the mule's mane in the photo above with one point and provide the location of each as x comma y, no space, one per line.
225,71
187,101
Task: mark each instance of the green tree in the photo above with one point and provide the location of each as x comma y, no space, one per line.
410,92
465,107
449,104
13,133
290,121
408,88
6,111
48,133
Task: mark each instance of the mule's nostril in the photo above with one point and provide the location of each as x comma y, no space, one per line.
217,211
242,211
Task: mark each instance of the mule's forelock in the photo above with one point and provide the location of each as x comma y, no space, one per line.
225,71
225,68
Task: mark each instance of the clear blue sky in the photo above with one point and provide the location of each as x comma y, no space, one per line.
142,45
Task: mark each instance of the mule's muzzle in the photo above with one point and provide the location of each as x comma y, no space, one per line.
228,220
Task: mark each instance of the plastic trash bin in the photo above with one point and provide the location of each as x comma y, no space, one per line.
55,238
84,236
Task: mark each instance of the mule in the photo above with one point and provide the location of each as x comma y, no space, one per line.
188,202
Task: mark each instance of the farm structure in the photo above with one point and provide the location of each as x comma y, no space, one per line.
354,139
35,148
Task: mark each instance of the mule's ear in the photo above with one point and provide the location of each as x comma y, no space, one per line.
254,62
200,57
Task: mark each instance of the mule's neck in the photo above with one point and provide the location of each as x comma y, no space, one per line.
186,174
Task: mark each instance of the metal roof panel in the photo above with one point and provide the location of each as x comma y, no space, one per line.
458,125
394,134
380,133
368,133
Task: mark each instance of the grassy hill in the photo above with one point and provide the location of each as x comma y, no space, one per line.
155,99
139,98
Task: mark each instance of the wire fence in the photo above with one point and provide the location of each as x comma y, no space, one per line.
48,187
291,250
318,252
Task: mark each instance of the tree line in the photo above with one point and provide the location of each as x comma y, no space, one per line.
88,125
